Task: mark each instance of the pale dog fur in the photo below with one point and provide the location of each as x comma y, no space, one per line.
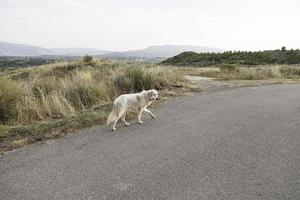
137,101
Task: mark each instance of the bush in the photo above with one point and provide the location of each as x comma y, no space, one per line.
83,91
88,60
123,84
82,96
133,80
136,77
10,97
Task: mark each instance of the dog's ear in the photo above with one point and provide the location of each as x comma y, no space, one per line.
150,94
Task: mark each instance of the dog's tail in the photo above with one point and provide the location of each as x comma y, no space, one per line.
113,115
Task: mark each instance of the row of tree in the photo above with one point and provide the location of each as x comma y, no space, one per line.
282,56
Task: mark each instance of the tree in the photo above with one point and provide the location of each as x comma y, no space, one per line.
88,59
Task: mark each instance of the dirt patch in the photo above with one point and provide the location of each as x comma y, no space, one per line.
198,78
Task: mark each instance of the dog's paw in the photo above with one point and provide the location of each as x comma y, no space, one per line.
153,116
127,124
140,122
113,129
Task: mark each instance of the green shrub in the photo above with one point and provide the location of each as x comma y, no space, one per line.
123,84
85,95
151,81
88,60
136,77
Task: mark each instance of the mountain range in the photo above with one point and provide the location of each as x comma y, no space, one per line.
163,51
11,49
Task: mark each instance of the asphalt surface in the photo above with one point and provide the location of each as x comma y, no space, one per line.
235,144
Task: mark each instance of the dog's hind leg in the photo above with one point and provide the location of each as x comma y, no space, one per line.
119,115
124,120
140,116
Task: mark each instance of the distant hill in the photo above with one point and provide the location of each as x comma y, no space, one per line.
282,56
164,51
78,51
152,52
10,49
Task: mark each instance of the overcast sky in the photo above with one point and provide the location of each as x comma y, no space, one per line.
134,24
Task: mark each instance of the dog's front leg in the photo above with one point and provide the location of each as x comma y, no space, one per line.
149,112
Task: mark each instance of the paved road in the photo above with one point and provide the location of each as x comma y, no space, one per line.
235,144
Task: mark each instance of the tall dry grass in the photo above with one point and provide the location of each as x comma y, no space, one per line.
11,95
64,89
235,72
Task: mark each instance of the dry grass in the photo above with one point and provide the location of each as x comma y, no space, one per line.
38,103
11,95
230,72
33,97
62,89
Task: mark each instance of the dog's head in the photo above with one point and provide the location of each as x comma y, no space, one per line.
153,95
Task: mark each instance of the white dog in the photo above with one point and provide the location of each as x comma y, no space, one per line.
138,101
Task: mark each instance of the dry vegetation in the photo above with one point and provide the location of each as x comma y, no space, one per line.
46,101
236,72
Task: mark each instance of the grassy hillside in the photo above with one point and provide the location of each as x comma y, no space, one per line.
45,101
282,56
